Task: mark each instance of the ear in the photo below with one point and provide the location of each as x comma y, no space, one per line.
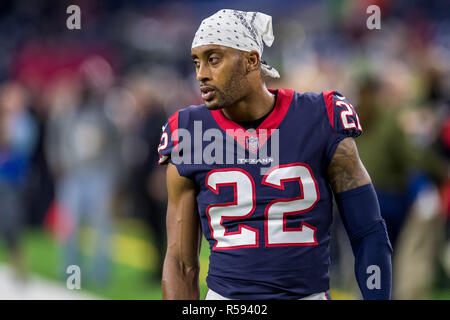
252,61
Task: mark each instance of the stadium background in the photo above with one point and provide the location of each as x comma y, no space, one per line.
81,112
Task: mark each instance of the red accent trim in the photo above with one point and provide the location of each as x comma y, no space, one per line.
285,228
240,226
173,125
328,97
284,99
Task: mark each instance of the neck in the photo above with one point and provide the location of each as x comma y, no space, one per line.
251,107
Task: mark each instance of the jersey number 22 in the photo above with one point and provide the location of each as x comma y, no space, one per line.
275,230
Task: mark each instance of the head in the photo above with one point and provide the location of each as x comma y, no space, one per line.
13,98
226,51
226,75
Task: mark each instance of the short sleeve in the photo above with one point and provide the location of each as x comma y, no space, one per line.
343,120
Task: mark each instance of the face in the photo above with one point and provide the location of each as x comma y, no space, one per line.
222,74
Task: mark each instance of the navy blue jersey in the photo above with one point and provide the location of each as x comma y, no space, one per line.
263,198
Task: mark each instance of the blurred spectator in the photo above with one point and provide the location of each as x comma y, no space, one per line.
17,141
40,187
145,177
423,236
389,156
82,146
405,176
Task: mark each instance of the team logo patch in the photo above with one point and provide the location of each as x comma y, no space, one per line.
252,144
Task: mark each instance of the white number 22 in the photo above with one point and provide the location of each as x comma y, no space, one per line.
275,229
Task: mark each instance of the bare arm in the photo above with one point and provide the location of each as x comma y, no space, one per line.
346,170
358,206
181,264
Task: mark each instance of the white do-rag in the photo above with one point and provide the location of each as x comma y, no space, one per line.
240,30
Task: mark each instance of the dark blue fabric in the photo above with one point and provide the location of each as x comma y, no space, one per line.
266,271
368,236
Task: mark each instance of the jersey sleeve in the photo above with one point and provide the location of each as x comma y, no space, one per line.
168,141
343,119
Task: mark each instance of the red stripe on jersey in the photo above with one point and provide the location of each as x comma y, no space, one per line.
284,99
328,97
173,125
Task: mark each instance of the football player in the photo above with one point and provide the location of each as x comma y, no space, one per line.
266,215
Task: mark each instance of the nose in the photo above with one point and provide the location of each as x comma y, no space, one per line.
203,73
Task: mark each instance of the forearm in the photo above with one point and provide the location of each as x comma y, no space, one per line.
180,281
369,239
373,268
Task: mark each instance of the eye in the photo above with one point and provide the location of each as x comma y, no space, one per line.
196,63
213,59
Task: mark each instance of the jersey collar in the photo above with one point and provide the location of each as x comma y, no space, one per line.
265,129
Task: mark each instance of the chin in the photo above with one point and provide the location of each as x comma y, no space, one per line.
211,105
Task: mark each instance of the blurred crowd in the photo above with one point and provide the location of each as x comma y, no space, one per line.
81,114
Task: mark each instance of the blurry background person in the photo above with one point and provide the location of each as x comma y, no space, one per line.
406,172
83,153
146,180
17,141
391,156
422,239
